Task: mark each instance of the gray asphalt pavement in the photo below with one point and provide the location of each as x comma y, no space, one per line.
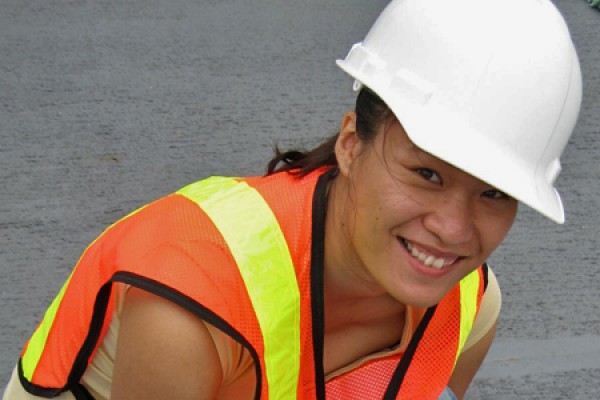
106,105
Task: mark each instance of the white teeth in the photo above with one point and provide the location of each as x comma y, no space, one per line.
428,259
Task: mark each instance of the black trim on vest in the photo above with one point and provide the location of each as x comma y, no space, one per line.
195,308
319,208
81,393
484,269
36,390
400,372
82,360
78,390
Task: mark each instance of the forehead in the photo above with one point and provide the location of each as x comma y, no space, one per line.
397,143
395,139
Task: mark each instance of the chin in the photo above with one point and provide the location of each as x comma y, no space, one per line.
425,299
426,303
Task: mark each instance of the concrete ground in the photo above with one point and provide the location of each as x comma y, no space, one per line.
106,105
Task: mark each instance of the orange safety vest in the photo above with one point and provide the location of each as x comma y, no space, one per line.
245,255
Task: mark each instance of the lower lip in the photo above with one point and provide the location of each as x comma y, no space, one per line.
424,269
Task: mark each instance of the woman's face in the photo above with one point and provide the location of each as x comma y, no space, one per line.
413,225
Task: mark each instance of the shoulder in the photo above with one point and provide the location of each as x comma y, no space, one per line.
163,351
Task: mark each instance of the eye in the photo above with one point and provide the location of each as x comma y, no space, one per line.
429,174
495,194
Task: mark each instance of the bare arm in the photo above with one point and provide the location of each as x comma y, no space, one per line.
469,362
163,352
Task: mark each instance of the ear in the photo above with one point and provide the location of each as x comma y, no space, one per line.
348,144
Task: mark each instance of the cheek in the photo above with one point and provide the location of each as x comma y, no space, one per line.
495,231
369,220
374,211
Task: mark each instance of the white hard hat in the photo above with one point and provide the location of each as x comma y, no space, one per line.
494,90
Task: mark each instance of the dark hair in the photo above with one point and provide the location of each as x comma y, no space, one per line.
371,112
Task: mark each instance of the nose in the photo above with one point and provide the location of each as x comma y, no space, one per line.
451,220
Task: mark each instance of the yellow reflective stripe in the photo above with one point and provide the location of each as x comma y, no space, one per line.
469,290
35,347
260,250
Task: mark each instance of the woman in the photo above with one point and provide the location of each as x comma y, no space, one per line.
355,270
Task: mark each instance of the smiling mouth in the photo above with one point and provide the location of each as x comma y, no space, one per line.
426,259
